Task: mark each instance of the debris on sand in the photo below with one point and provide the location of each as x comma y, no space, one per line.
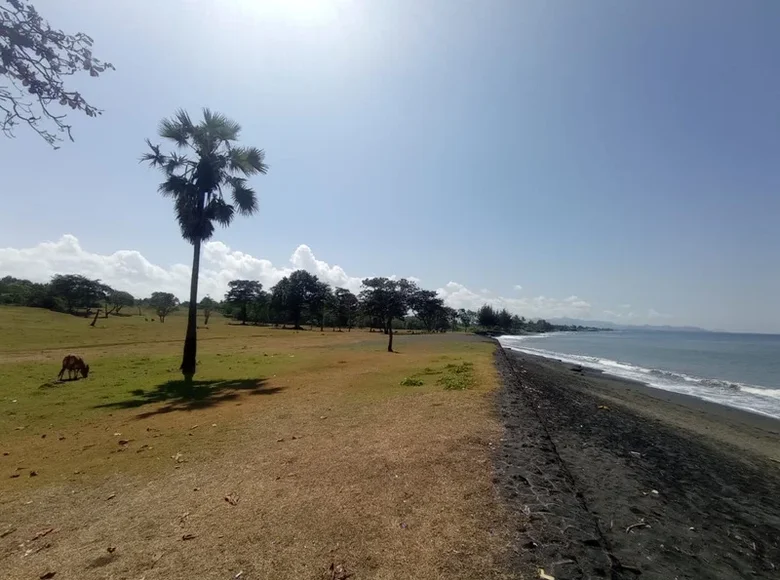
178,458
186,537
232,498
47,575
123,441
42,533
7,532
33,473
640,524
337,572
112,496
544,576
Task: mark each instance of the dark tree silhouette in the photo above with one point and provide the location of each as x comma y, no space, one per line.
346,307
34,60
196,180
293,294
241,295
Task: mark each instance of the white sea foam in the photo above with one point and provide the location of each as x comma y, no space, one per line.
753,398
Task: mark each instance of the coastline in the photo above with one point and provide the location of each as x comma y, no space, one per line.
608,477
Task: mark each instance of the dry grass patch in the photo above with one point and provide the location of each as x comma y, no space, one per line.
326,459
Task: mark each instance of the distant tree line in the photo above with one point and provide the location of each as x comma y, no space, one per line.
493,320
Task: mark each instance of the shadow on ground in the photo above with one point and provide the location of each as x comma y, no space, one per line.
179,396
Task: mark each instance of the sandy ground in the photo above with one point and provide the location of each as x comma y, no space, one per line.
612,479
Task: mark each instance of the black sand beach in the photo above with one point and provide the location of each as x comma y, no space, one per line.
607,478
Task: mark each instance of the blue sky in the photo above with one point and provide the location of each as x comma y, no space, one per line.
618,160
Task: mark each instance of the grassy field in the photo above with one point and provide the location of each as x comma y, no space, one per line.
300,454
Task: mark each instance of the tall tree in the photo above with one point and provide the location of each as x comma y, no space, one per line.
207,305
293,294
427,307
319,299
163,303
504,320
385,300
346,308
34,60
487,316
196,179
467,318
241,295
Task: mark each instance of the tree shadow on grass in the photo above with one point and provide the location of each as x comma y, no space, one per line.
179,396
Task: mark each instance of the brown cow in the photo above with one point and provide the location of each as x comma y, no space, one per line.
73,364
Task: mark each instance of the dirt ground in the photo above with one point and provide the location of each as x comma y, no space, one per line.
325,468
606,482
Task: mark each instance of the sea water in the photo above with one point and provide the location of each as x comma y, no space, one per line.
738,370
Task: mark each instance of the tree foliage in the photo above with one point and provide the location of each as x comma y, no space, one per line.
241,296
345,308
77,291
34,61
163,303
207,305
116,300
386,300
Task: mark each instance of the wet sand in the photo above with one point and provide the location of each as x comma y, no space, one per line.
608,478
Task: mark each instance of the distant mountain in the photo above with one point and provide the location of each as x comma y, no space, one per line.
615,326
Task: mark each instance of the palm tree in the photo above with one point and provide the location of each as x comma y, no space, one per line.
210,165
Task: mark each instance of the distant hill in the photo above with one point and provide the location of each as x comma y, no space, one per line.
615,326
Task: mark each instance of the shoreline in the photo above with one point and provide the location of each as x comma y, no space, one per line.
613,478
607,373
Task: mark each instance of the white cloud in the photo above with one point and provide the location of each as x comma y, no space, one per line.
518,287
458,296
131,271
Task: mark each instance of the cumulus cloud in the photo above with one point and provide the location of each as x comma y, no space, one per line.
458,296
131,271
518,287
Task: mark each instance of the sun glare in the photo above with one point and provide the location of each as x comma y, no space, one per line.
301,11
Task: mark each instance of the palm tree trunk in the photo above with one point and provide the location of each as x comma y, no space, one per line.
189,357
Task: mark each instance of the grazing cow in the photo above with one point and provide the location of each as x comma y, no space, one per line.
73,364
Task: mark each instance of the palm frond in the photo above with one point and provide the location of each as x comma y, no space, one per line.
243,197
247,160
219,127
220,211
155,158
177,186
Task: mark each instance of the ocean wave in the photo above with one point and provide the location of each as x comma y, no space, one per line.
754,398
